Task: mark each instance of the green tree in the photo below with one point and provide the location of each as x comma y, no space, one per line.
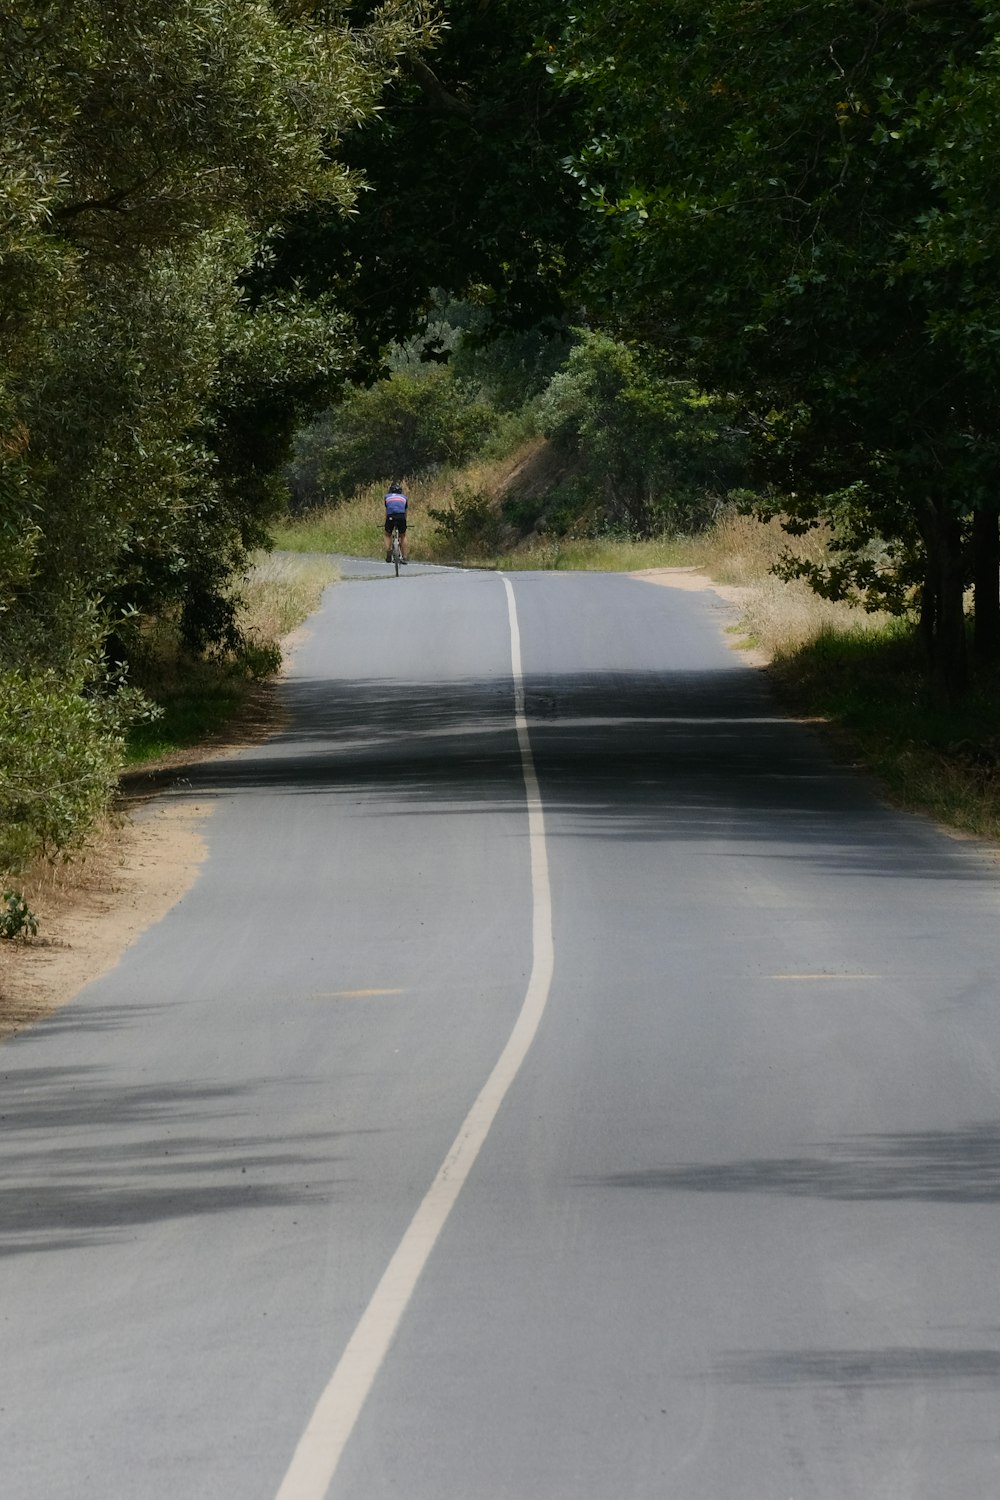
148,393
467,192
406,425
796,207
659,452
163,142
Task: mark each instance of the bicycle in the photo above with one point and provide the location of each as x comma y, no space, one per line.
395,552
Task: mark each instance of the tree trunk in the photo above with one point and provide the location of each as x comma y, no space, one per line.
946,571
986,579
928,611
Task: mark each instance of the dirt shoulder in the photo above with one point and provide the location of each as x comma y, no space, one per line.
134,870
695,582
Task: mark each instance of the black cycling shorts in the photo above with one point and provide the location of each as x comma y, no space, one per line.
399,521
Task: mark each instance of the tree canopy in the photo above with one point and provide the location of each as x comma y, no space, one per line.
797,205
217,215
150,151
464,185
147,153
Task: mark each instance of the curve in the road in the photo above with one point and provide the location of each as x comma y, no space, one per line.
319,1450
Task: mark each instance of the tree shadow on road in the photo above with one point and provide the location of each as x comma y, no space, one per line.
694,758
88,1160
969,1369
933,1166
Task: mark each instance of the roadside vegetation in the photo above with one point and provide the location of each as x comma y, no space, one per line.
186,700
194,697
153,368
863,675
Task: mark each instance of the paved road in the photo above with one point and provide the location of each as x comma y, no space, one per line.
732,1232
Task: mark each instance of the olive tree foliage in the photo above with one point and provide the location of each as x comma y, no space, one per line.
507,366
798,206
149,152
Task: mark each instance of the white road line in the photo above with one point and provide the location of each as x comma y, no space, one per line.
319,1451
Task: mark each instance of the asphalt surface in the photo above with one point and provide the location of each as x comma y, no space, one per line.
732,1235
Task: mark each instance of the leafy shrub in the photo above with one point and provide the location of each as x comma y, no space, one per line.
472,525
523,512
17,920
574,508
508,368
60,752
257,658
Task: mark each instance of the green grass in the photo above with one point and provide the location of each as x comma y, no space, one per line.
871,688
353,528
198,699
194,706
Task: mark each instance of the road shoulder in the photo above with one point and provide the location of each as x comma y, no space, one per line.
692,581
139,865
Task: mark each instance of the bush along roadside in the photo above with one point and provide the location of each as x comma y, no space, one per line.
17,920
199,695
60,750
65,737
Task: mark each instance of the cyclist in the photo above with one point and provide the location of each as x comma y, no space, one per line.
395,516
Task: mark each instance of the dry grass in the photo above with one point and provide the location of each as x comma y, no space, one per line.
52,887
51,882
865,675
487,476
593,554
280,592
739,550
776,617
354,528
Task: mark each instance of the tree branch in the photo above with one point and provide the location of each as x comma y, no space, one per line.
436,91
113,203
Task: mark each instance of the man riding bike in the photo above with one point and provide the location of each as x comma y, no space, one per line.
395,517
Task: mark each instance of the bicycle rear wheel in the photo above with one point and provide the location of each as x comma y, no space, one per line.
396,553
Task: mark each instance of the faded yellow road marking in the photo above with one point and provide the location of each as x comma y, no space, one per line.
824,976
351,994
